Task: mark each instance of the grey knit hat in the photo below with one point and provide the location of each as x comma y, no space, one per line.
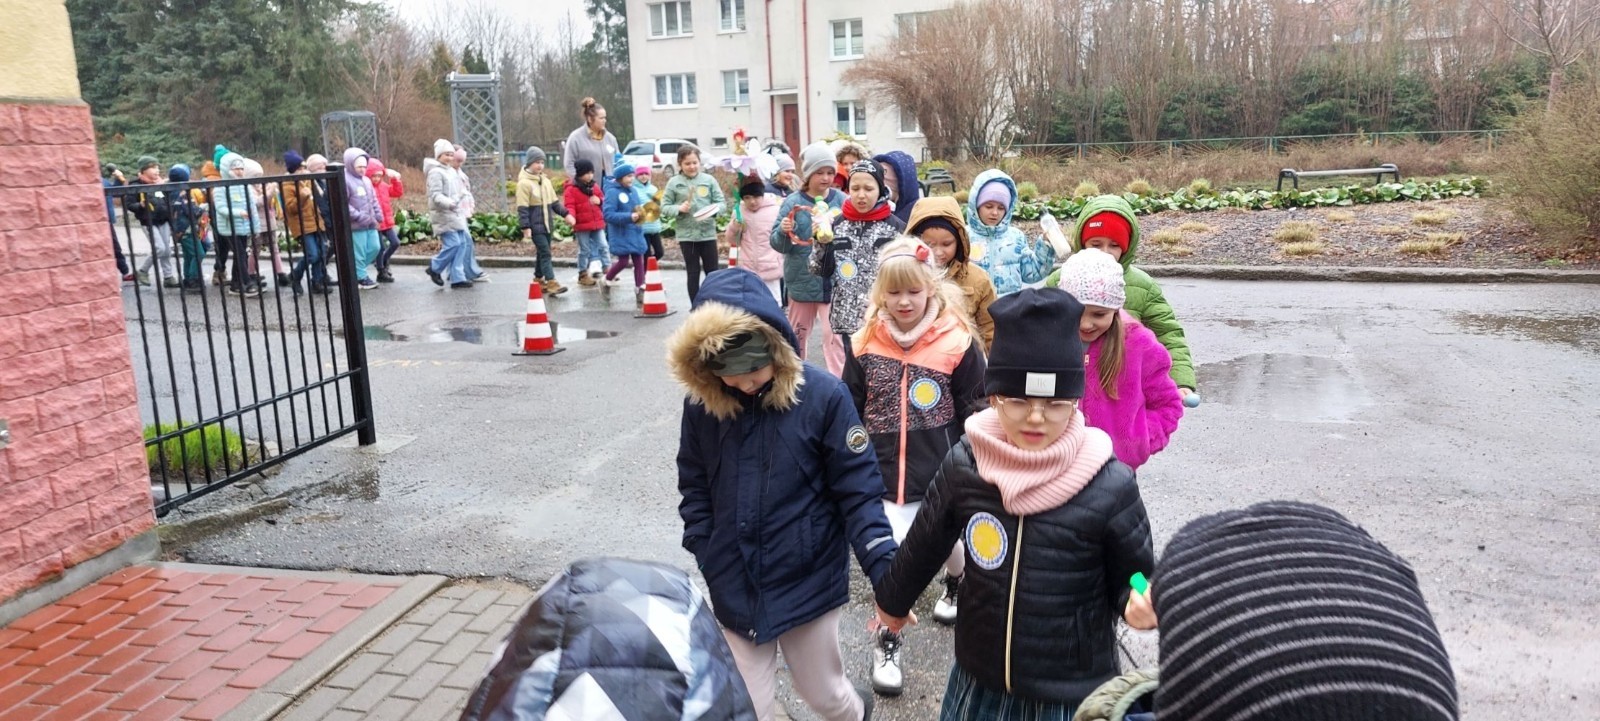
1289,611
816,156
535,154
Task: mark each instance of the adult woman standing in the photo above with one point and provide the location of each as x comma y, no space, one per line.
592,142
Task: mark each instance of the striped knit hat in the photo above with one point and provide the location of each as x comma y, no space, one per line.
1289,611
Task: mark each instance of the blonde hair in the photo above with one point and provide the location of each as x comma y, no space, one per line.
899,267
1113,343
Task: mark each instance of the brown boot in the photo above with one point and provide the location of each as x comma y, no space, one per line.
553,287
584,279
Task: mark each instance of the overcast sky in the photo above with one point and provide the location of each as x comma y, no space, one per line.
544,15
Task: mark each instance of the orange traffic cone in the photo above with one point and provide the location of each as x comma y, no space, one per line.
655,298
537,337
733,256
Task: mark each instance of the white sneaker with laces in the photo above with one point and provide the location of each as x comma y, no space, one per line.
887,679
944,611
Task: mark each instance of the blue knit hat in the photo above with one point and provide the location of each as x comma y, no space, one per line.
622,170
292,160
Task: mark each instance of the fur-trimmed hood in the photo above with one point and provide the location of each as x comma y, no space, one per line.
731,302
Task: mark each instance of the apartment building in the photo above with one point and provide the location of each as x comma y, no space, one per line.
704,67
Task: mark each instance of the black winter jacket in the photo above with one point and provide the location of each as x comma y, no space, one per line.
152,209
1051,634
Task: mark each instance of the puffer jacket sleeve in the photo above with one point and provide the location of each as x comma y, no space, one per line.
677,191
616,209
1128,549
855,488
437,193
966,381
980,313
855,378
927,544
694,482
1157,315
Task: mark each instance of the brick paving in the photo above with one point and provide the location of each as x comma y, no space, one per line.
423,666
176,641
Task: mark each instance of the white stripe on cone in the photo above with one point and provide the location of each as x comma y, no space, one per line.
535,330
536,306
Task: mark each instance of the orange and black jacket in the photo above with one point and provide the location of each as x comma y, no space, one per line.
915,402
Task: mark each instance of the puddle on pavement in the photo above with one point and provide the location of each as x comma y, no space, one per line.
478,330
1286,387
1578,331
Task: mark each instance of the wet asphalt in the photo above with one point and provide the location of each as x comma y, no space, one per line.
1455,422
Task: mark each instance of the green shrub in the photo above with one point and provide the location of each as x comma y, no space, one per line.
193,449
1027,192
1200,186
1139,187
1086,189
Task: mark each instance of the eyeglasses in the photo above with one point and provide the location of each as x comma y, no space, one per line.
1019,409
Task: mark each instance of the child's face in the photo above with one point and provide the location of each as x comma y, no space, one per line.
361,165
943,244
749,383
849,159
690,166
863,192
1095,322
785,178
236,171
906,305
892,181
151,174
992,212
536,167
1032,424
819,182
626,181
1106,244
586,177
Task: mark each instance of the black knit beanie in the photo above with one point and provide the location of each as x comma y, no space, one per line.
1289,611
1036,352
581,167
870,167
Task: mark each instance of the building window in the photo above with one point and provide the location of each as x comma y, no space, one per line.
673,20
675,91
736,87
906,23
850,117
732,15
908,123
848,42
719,143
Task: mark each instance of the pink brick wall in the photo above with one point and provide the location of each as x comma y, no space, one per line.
73,483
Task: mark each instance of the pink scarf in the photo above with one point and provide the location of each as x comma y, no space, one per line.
909,338
1036,481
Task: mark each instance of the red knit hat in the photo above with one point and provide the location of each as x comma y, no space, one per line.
1107,224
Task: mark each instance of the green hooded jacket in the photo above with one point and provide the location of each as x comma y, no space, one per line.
1145,301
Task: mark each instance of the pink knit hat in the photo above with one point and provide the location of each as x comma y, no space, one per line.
1094,278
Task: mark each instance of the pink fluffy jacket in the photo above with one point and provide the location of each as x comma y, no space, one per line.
1146,410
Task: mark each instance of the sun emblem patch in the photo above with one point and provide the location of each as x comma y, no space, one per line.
856,439
986,541
847,269
702,191
977,250
925,394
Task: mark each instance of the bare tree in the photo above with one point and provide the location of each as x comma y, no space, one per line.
1560,31
384,79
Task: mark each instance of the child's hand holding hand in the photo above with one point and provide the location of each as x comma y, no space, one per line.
895,623
594,199
787,225
571,220
1139,613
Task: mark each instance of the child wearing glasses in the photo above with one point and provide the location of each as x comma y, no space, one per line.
916,377
1052,523
1131,395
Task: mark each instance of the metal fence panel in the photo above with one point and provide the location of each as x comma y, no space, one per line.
475,118
234,379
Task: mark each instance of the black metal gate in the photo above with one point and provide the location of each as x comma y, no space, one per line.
238,372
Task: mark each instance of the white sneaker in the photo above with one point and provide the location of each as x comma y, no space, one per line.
613,282
944,611
886,677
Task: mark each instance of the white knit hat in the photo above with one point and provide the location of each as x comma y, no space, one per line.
1094,278
442,146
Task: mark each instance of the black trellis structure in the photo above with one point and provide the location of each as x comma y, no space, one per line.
277,372
475,118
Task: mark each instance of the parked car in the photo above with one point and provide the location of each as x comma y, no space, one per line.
661,154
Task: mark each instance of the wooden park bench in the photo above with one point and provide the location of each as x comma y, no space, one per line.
1294,176
937,177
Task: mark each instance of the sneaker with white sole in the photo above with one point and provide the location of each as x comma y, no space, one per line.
944,611
887,680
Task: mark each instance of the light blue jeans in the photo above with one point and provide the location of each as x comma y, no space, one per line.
591,247
451,262
366,250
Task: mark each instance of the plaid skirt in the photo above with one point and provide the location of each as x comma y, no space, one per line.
966,700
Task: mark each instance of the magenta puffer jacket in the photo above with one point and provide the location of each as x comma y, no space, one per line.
1147,408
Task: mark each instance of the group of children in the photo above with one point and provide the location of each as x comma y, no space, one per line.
242,219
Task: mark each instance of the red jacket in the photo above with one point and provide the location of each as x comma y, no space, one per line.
582,208
387,191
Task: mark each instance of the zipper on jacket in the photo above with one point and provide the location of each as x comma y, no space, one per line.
905,413
1011,603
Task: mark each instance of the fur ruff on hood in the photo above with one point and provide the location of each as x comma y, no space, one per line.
704,334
